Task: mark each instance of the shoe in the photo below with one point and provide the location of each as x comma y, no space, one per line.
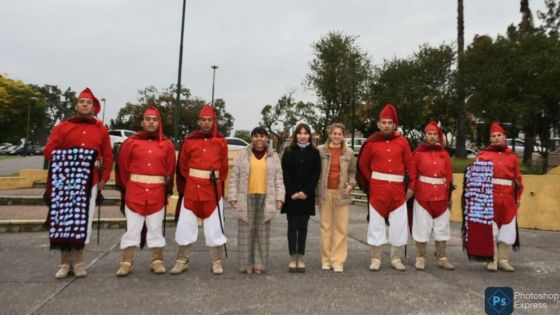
126,264
157,261
79,267
503,251
258,271
182,261
300,264
421,249
217,260
326,266
441,258
292,265
396,262
338,269
64,267
375,263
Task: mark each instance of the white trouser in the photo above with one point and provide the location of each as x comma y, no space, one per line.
505,234
423,225
91,213
398,227
187,227
134,224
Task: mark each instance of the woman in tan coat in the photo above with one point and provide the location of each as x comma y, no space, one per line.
256,194
336,183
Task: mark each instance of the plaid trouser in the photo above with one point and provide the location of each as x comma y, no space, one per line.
253,237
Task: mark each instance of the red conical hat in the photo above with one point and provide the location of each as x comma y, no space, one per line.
152,111
433,126
496,128
208,111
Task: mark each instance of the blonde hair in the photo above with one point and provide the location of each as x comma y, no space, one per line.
333,127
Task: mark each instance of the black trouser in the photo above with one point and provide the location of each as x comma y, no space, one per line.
297,233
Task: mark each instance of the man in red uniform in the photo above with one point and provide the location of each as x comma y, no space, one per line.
507,191
146,167
203,151
384,161
434,181
83,131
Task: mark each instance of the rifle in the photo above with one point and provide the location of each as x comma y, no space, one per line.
99,200
214,180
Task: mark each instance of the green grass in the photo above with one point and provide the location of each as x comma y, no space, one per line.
6,157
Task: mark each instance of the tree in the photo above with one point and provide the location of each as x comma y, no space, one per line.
129,117
339,75
59,105
18,102
243,134
282,117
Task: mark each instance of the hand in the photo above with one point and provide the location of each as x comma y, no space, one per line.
346,191
450,204
100,185
295,196
279,204
409,194
233,204
518,204
302,195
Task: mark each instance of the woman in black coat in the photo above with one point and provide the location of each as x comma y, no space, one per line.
301,168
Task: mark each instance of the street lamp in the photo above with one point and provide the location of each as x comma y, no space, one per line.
25,145
103,115
177,103
214,67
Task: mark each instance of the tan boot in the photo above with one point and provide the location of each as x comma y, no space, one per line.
182,261
126,264
79,267
421,249
441,257
375,263
493,266
64,267
503,251
300,264
396,258
157,261
217,259
293,264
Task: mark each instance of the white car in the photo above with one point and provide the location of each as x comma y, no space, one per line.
358,142
520,146
236,143
119,135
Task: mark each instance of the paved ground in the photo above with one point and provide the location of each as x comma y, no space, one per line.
27,284
13,165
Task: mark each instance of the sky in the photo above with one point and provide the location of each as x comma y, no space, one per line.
262,47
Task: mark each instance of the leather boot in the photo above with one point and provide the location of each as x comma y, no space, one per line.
217,259
182,261
64,267
441,257
292,265
126,264
79,267
493,266
421,249
503,251
157,261
375,263
396,258
300,264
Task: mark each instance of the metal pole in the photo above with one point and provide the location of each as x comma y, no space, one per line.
178,100
353,123
214,67
25,146
103,115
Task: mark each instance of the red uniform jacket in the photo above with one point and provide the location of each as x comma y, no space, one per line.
433,161
144,156
203,153
83,133
506,166
389,155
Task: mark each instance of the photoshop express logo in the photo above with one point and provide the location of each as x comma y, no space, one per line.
498,300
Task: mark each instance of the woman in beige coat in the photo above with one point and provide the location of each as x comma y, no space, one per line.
335,185
256,194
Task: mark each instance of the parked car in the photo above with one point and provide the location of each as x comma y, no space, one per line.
4,150
17,150
520,146
236,143
358,142
4,147
38,149
119,135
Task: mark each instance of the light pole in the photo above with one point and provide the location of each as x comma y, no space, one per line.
178,100
214,67
103,115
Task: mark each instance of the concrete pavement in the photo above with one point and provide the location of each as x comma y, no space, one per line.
27,283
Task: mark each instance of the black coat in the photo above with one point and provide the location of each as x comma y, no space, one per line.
301,169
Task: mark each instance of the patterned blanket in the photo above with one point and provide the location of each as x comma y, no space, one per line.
478,207
71,179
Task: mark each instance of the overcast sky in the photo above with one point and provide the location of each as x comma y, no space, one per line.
262,47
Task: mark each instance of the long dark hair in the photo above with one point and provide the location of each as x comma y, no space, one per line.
299,127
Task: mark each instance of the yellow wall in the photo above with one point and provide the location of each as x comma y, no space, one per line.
540,203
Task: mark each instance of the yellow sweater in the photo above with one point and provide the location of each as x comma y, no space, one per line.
257,176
